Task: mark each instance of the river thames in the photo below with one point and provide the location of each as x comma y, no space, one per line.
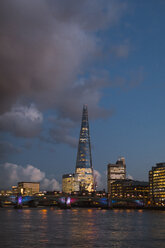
51,227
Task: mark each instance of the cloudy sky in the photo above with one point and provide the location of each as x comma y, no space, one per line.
56,56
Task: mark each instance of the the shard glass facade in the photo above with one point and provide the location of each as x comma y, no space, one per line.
84,159
84,169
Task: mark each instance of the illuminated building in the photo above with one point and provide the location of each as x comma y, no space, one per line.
6,192
28,188
115,171
84,169
69,183
130,189
157,184
15,189
83,179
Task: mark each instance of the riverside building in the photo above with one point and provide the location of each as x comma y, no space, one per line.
28,188
157,184
115,172
130,189
69,183
83,179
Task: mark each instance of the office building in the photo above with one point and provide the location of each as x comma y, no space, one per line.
115,171
84,169
157,184
69,183
28,188
130,189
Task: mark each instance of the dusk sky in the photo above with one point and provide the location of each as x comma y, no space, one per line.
55,56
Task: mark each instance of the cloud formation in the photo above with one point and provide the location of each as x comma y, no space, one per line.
129,177
60,132
97,179
11,174
47,46
22,121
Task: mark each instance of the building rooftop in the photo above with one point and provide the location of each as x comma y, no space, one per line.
67,175
131,182
162,164
120,161
28,182
115,165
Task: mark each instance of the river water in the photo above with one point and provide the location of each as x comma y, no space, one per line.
51,227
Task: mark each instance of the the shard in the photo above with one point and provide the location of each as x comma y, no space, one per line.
84,169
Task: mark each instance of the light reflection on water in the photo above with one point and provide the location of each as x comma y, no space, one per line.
50,227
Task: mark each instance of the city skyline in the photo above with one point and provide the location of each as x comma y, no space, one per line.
55,57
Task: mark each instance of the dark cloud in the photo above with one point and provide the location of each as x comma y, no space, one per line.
85,91
60,132
47,52
46,46
89,15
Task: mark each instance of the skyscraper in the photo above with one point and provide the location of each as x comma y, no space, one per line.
84,169
83,178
